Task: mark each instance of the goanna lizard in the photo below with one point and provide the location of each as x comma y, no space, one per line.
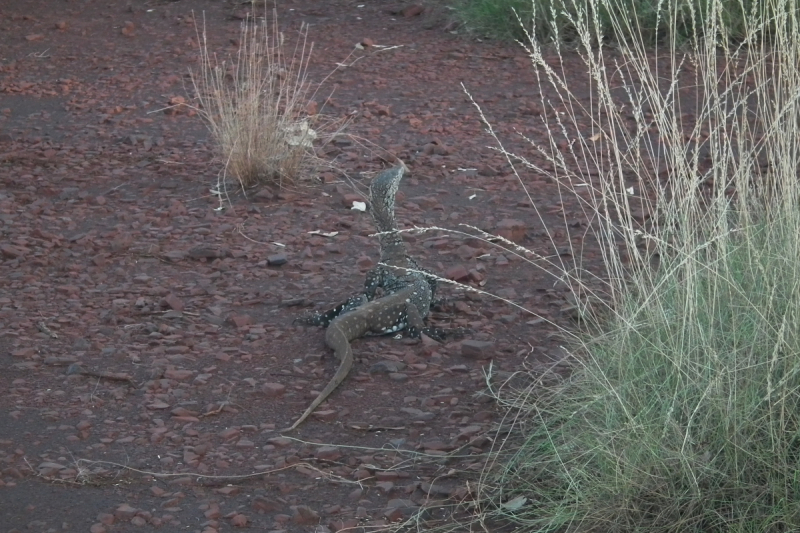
407,292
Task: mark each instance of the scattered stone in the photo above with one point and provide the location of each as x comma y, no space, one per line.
328,453
304,515
208,252
398,509
125,512
386,367
12,252
273,390
277,259
239,520
348,199
265,194
230,434
413,11
457,273
174,256
384,486
513,230
173,302
417,414
241,321
262,504
48,469
365,262
486,170
178,375
434,489
128,29
477,349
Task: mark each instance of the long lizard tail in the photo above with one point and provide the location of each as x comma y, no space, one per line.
336,339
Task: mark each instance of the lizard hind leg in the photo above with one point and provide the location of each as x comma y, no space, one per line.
324,319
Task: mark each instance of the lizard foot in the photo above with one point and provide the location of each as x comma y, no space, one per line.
440,334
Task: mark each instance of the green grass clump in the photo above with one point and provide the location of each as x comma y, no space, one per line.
683,412
651,21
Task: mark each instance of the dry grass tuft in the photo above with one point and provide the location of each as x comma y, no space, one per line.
258,107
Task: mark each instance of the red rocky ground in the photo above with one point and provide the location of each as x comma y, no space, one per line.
142,331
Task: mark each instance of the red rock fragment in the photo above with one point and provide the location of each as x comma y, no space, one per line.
175,105
207,252
239,520
261,504
477,349
125,512
34,37
179,375
230,433
457,273
326,415
12,252
413,11
364,262
328,453
385,486
304,515
513,230
398,509
106,519
24,353
241,321
173,302
273,390
476,276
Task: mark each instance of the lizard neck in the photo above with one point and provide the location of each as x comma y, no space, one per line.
392,247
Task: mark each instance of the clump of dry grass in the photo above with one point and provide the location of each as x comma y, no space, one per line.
682,412
256,106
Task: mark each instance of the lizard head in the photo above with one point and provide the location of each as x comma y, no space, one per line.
384,187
